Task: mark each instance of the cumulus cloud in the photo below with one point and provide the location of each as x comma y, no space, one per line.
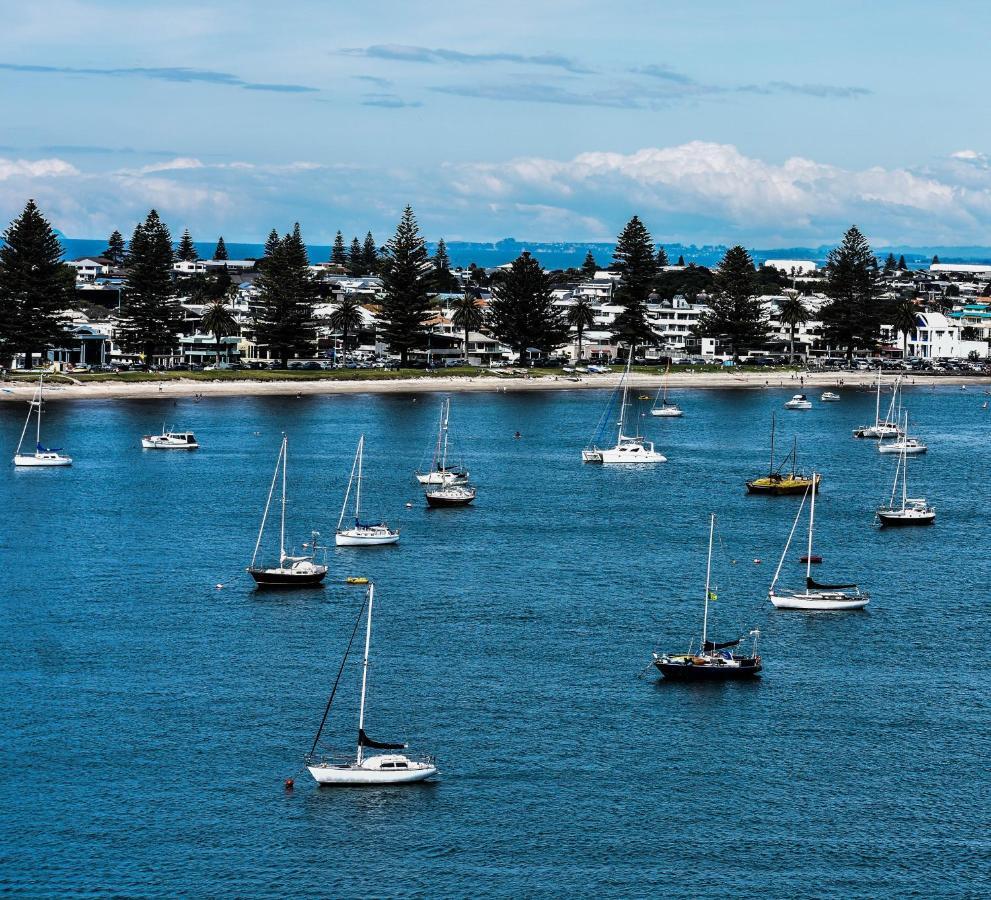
37,168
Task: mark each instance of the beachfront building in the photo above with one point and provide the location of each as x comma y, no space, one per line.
937,336
89,268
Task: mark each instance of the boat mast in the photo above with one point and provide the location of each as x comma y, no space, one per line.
440,432
347,493
41,391
27,421
812,519
904,456
770,468
357,491
282,526
708,574
268,502
622,405
364,670
446,413
877,403
791,534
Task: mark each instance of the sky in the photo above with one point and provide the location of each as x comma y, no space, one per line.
766,123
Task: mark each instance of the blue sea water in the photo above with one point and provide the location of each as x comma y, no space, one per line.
150,717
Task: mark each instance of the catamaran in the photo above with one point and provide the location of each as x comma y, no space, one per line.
777,481
881,427
362,770
628,448
360,534
713,661
666,410
815,596
292,571
911,510
42,456
440,472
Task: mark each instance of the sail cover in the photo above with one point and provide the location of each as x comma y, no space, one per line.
712,645
812,583
365,741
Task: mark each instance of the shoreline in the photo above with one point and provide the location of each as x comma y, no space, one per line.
147,390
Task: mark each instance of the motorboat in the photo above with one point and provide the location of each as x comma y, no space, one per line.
816,595
911,510
441,471
785,478
363,770
293,570
799,401
450,495
713,661
358,533
42,456
829,397
170,440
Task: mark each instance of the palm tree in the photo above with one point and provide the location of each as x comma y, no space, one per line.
581,315
347,319
468,314
219,321
792,312
903,320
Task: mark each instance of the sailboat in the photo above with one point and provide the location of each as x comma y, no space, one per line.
360,534
713,661
292,571
777,481
881,427
912,510
42,456
667,410
362,770
908,445
440,472
815,596
628,448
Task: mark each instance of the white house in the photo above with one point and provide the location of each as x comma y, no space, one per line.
90,267
936,336
791,266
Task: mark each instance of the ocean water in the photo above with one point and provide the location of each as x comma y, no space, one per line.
150,717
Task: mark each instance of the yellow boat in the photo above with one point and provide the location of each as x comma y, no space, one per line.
777,482
356,579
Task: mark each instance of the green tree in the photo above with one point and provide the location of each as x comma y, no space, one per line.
356,258
902,265
689,282
187,249
219,321
370,255
151,315
903,319
581,316
116,249
522,312
792,312
339,255
347,319
444,279
662,258
890,264
272,243
681,261
589,267
735,315
406,273
35,287
220,251
935,261
634,259
287,293
467,315
852,318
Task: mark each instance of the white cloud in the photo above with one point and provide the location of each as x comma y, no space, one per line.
38,168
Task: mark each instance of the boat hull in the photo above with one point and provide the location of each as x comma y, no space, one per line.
365,539
358,776
897,519
616,457
667,412
444,500
163,445
44,460
917,450
786,486
819,602
687,671
282,578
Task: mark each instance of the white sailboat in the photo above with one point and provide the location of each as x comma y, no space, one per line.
362,770
42,456
665,410
816,596
909,446
360,534
440,472
292,571
628,448
911,510
881,427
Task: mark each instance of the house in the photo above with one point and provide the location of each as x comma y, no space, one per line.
89,268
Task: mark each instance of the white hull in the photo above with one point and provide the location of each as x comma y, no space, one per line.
442,478
629,456
667,412
365,776
354,537
42,459
805,404
152,444
907,449
818,601
592,456
878,431
829,398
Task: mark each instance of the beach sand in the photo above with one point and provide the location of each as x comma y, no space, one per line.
19,391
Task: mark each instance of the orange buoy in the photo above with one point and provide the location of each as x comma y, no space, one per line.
290,784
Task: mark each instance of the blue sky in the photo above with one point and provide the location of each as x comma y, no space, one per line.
769,123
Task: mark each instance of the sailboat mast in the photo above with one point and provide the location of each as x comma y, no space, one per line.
41,391
445,417
268,503
282,525
877,403
35,399
770,468
708,575
904,456
347,493
812,519
357,493
364,669
622,405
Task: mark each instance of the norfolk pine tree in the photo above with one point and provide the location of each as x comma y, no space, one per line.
406,274
735,315
370,255
522,312
187,249
589,267
852,318
116,249
634,259
220,251
338,254
356,258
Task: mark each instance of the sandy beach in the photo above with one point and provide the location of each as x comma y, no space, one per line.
20,391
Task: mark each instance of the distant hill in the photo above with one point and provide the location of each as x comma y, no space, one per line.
565,254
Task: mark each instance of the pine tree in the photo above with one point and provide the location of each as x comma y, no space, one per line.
151,315
935,261
34,287
370,255
287,293
681,261
187,249
444,280
356,259
589,267
634,259
890,264
220,251
522,312
852,318
116,249
406,272
272,242
902,266
338,255
662,258
735,315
